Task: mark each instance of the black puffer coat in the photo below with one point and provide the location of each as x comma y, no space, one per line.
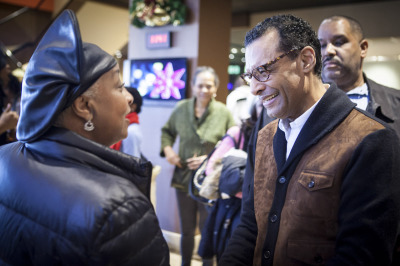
65,200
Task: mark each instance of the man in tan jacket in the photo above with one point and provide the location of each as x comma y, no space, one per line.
325,189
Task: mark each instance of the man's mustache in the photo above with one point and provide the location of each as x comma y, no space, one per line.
331,60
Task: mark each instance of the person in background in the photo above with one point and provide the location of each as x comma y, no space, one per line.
325,189
66,198
229,158
132,144
239,136
344,48
199,122
239,101
10,93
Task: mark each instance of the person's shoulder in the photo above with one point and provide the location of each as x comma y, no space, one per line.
270,128
233,131
118,199
362,124
10,146
373,130
184,103
388,90
219,105
133,128
222,111
271,125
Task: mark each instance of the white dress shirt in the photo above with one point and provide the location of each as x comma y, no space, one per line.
359,96
292,129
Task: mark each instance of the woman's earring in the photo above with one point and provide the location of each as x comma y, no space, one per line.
88,126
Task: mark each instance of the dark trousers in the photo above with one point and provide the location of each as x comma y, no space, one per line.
188,210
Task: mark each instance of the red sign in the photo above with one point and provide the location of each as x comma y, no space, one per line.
158,40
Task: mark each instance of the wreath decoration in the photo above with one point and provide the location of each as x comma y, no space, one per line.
155,13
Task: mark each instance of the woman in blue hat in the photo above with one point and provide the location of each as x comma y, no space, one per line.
66,198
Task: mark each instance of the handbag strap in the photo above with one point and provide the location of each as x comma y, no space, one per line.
237,144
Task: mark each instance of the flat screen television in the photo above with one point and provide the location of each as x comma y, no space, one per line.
157,80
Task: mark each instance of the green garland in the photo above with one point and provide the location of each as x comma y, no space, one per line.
154,13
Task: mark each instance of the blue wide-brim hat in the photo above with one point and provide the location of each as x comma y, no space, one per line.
61,68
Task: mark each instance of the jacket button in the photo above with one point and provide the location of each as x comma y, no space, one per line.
311,184
282,180
267,254
274,218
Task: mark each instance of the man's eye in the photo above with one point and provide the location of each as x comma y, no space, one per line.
262,70
338,43
323,45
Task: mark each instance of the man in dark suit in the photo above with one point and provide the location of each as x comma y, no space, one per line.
343,49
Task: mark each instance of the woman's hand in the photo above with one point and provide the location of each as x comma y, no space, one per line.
172,157
194,162
8,119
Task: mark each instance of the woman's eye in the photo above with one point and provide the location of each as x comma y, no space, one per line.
121,87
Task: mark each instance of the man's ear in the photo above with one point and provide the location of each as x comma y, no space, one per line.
81,107
308,59
364,48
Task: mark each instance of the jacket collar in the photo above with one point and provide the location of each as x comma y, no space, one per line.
65,145
333,108
379,100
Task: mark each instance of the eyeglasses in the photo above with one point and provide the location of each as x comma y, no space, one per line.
261,73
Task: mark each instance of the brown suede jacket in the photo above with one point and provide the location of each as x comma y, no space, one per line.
334,201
